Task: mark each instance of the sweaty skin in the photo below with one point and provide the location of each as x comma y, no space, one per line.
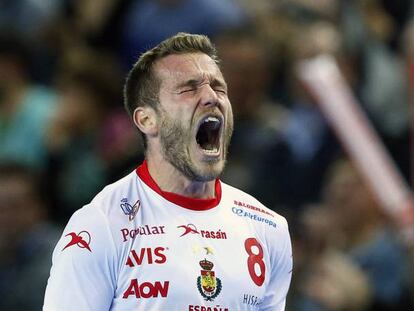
192,88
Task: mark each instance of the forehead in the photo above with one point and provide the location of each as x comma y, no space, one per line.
176,68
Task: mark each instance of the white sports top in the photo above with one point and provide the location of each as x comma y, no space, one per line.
135,247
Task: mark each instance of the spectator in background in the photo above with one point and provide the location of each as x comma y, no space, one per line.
370,32
151,21
31,20
325,277
84,139
28,18
407,45
248,69
89,22
27,239
25,108
368,238
295,163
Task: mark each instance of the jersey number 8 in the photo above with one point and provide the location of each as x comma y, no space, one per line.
255,259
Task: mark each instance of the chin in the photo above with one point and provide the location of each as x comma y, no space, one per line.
209,171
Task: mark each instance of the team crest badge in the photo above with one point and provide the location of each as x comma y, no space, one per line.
208,284
130,210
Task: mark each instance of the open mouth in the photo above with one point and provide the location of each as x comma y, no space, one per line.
208,134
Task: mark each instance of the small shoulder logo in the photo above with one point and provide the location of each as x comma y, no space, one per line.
208,284
128,209
82,240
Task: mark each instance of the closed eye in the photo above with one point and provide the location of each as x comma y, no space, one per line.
219,86
223,91
187,90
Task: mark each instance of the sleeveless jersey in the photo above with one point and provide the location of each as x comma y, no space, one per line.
135,247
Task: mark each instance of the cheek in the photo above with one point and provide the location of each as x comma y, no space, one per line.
227,106
174,124
175,112
230,113
230,116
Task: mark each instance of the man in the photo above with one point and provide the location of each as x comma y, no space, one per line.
171,235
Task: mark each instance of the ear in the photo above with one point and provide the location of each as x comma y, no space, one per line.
145,119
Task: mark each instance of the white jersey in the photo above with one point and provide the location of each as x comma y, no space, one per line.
135,247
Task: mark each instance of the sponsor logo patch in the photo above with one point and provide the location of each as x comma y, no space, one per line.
128,209
81,239
204,308
146,255
144,230
146,289
208,234
252,207
243,213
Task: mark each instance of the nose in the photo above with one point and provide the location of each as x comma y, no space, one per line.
208,97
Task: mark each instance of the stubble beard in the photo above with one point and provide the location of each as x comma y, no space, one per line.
175,143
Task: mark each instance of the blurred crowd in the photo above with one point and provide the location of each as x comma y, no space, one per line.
64,133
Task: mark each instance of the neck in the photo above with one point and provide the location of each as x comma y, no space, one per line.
169,179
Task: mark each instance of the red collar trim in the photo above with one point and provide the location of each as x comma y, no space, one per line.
186,202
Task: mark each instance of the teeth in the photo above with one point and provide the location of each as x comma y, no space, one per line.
212,151
211,119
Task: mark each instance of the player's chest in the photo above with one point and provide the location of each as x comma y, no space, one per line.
190,263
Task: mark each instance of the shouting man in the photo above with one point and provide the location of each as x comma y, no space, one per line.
171,235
